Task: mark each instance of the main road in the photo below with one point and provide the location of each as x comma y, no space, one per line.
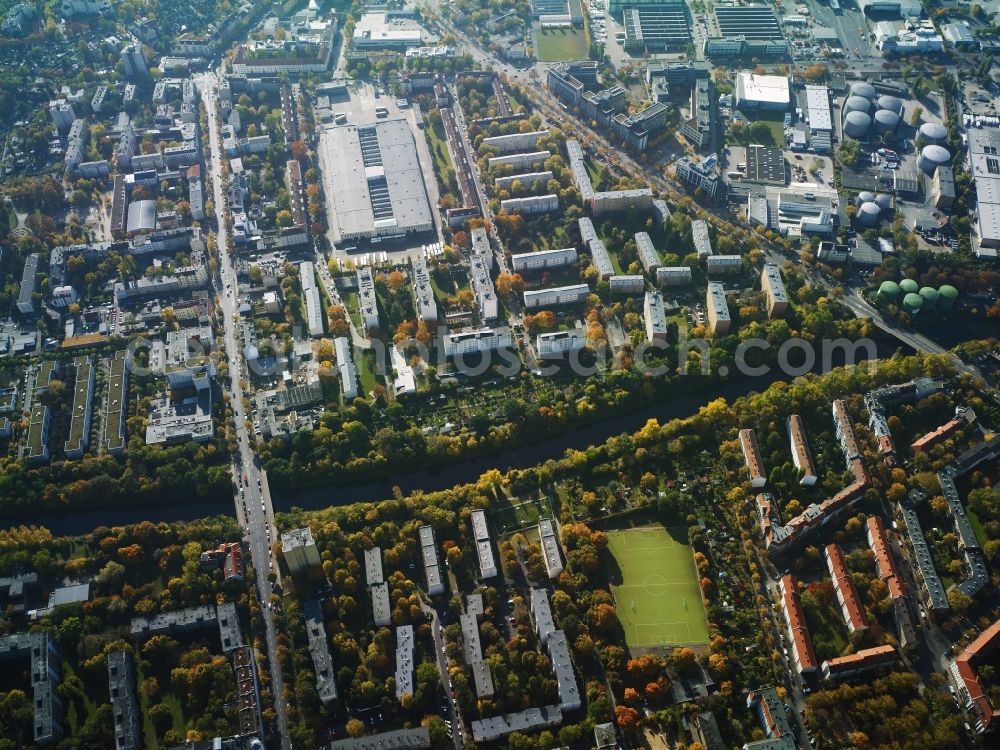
253,497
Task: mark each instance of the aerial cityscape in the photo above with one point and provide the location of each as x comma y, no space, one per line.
583,374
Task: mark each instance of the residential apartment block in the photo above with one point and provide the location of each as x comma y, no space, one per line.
803,656
752,459
477,341
299,550
125,709
367,299
654,318
319,650
851,606
533,204
423,292
673,275
865,660
484,547
432,570
404,661
514,142
543,259
562,295
556,344
648,257
719,319
550,547
345,366
964,675
530,160
774,290
801,455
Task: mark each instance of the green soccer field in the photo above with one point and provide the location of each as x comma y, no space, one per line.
656,588
557,45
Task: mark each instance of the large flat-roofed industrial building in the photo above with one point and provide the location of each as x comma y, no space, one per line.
386,31
377,186
818,109
748,22
766,165
666,25
984,160
762,92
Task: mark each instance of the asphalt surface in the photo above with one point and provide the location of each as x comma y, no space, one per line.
252,499
452,714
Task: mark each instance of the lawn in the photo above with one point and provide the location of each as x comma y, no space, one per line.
656,588
518,514
367,378
776,122
977,527
827,629
443,165
555,45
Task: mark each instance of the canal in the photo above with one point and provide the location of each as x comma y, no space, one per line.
432,480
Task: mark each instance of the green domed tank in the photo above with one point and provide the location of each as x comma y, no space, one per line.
930,296
912,303
948,297
909,286
889,291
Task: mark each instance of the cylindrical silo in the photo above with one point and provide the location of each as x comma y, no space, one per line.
889,291
934,133
856,124
857,104
930,296
891,103
932,157
947,295
868,214
865,196
912,303
886,121
863,89
909,286
883,201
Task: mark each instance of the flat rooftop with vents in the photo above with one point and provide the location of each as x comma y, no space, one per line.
748,21
656,27
376,185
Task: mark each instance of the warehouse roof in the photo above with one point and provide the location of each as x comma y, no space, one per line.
378,178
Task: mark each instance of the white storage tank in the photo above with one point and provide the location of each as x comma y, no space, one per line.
891,103
886,121
932,157
857,104
868,214
883,201
865,196
863,89
934,133
856,124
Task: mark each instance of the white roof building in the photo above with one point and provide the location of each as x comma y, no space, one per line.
484,549
550,548
555,344
345,365
762,92
699,235
818,108
428,550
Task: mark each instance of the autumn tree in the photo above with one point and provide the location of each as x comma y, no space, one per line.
627,718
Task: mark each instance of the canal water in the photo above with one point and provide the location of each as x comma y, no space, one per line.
431,480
